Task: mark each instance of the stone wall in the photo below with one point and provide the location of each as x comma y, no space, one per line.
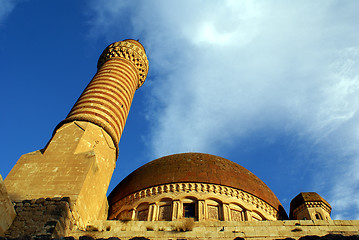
224,230
42,219
7,212
78,163
50,217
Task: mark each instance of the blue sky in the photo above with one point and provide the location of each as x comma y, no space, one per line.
271,85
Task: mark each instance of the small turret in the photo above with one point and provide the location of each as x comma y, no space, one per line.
309,206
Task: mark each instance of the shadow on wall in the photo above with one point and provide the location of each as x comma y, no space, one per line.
111,238
326,237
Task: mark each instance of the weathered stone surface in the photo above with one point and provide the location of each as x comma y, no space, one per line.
37,220
225,230
326,237
7,211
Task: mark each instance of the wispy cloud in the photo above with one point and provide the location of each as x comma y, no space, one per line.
336,132
224,70
6,7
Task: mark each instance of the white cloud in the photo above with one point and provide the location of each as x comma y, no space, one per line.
224,70
336,130
6,7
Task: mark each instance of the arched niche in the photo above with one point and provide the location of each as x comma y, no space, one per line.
125,215
256,216
142,212
190,208
165,209
237,212
318,216
214,209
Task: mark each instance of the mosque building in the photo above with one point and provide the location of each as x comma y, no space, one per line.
60,191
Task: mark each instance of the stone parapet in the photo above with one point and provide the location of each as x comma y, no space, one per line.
226,230
50,227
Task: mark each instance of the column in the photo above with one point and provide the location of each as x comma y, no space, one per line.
226,212
201,210
176,210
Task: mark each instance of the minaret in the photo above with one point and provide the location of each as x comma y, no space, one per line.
79,160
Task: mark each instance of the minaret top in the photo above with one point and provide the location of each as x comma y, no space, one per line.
135,42
130,50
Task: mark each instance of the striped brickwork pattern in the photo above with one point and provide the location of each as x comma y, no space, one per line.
131,50
106,101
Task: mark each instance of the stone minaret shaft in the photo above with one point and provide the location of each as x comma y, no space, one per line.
79,160
122,68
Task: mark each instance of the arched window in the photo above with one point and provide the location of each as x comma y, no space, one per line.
165,210
237,213
190,209
214,209
125,215
318,216
142,212
257,217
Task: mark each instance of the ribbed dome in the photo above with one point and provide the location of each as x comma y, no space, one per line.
194,167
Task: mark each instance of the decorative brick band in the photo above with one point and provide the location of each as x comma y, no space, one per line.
197,188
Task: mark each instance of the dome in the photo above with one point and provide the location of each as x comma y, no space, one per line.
198,168
307,197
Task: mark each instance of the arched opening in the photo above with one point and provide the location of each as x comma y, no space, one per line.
142,212
257,217
165,210
190,208
318,216
237,212
125,215
214,209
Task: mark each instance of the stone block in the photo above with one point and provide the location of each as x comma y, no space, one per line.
7,211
